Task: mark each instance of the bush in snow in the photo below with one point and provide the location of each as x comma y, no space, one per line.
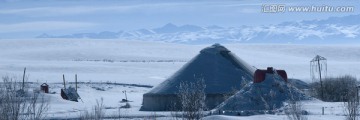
294,109
16,102
98,112
352,108
335,89
192,99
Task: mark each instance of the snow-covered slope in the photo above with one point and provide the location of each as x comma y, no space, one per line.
269,94
332,30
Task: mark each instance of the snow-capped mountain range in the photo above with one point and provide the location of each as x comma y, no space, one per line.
332,30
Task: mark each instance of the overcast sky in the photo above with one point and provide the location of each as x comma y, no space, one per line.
29,18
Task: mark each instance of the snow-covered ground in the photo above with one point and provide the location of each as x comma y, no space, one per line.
149,63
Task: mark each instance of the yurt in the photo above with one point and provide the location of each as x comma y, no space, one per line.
220,69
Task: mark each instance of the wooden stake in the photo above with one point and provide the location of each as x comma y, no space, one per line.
125,95
76,82
64,81
23,83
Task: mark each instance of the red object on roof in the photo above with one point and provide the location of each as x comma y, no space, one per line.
260,74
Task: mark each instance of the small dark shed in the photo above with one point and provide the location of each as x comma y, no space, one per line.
260,74
44,87
70,94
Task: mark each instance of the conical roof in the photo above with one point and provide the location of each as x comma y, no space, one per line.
221,70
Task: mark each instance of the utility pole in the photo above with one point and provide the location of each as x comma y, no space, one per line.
321,85
318,64
23,83
64,82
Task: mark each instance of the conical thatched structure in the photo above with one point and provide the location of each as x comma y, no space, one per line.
221,70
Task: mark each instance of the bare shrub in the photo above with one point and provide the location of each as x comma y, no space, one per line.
294,111
294,108
335,89
340,89
85,115
16,103
10,104
192,98
37,106
99,109
97,113
352,106
174,112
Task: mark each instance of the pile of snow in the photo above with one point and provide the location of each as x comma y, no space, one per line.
258,97
299,84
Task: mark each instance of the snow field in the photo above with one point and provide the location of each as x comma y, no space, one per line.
47,60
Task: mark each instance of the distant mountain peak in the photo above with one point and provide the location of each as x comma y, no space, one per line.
170,25
171,28
331,30
44,35
168,28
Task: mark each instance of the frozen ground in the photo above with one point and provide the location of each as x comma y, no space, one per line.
149,63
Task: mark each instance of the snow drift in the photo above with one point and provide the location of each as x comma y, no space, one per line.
267,95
